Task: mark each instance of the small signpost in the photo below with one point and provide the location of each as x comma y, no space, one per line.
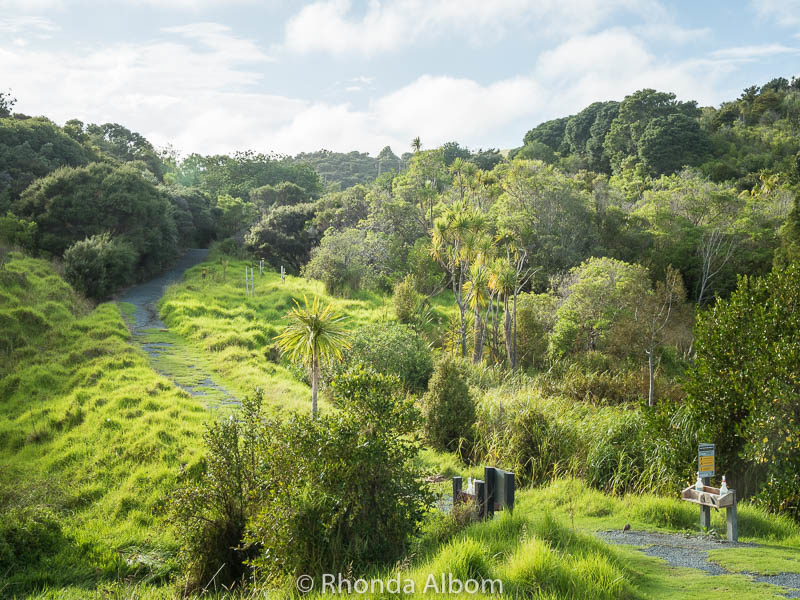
711,497
705,469
283,274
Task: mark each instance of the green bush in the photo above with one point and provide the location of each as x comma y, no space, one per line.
302,495
743,389
210,512
448,406
340,492
99,265
407,301
391,348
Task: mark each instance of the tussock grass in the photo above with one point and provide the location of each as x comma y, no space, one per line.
91,439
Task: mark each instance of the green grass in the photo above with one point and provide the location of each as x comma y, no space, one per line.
93,436
235,331
89,433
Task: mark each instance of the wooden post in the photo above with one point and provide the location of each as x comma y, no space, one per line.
510,484
261,268
456,490
246,283
730,517
283,274
490,477
480,497
705,512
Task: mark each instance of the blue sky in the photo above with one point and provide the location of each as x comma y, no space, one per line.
220,75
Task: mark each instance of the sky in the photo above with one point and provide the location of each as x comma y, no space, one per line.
215,76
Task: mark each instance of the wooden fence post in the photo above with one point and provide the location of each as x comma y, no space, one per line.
490,477
456,490
730,517
480,497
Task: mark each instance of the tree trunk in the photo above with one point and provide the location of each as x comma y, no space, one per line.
314,385
507,329
462,312
514,335
477,354
651,392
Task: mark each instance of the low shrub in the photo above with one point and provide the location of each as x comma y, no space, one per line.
99,265
448,406
391,348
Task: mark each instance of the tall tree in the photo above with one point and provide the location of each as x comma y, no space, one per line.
313,334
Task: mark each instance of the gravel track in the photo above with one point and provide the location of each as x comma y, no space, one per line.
685,550
168,358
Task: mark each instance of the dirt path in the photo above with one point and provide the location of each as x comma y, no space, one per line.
684,550
168,352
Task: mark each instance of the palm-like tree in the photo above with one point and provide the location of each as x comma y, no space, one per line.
416,144
313,333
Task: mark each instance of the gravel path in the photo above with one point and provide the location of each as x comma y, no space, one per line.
173,360
686,550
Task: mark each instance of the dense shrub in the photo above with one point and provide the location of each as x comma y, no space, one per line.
743,389
448,406
525,436
536,317
98,265
70,204
306,496
390,348
349,260
210,512
407,301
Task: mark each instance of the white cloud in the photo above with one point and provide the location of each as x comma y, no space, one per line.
754,52
203,89
25,23
783,12
330,26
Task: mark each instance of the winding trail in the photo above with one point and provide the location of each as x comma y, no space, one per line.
168,352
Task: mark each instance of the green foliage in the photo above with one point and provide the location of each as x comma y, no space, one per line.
243,172
235,215
599,300
672,142
536,317
536,151
29,149
99,265
210,512
284,236
407,301
284,194
122,144
348,261
743,389
549,133
389,348
18,232
321,495
71,204
448,406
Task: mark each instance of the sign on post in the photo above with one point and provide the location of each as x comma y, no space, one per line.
705,460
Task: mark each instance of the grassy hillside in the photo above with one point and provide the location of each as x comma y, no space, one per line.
235,331
90,439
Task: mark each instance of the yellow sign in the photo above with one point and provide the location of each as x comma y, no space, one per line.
706,463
